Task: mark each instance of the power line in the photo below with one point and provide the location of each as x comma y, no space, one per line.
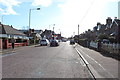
87,11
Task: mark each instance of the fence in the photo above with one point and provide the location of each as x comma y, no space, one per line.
94,44
111,48
17,45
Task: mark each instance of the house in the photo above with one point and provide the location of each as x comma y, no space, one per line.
7,32
111,28
34,35
58,36
48,34
115,29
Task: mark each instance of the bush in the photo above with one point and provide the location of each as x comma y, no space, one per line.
112,40
102,36
83,42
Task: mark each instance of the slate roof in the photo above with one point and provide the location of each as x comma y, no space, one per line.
117,21
2,30
6,29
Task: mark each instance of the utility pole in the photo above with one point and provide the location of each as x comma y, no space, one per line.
49,27
53,28
78,32
53,31
118,39
78,29
73,33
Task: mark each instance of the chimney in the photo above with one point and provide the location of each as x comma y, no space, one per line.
115,18
98,23
108,21
11,26
33,30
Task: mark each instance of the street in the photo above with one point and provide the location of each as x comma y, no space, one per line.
60,39
44,62
57,62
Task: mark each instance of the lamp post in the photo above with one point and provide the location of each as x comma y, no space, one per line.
2,18
78,33
30,15
30,21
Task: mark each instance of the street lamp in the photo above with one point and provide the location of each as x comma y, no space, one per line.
30,15
2,18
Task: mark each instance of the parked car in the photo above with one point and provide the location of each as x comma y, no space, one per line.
105,41
72,41
54,43
44,42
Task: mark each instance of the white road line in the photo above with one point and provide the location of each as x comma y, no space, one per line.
82,57
9,54
12,53
82,63
93,59
94,72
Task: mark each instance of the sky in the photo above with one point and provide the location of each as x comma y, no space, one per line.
63,15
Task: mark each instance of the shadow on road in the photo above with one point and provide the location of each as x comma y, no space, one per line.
37,46
112,55
106,54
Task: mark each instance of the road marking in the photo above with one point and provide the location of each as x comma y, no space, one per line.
91,58
82,63
9,54
93,72
82,56
76,62
96,63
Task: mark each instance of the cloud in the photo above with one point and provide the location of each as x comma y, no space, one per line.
8,6
1,10
25,0
44,3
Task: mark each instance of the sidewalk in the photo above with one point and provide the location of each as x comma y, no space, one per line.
6,51
105,65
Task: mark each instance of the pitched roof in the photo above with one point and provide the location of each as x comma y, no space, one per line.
6,29
117,21
2,30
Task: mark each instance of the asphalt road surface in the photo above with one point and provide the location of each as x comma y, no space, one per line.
44,62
